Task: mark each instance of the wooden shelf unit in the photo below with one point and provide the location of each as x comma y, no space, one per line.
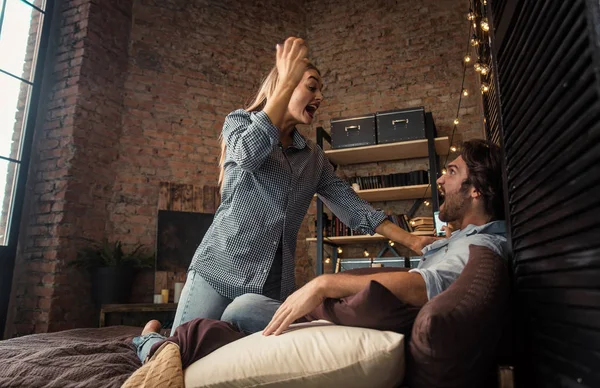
394,193
431,147
386,152
365,239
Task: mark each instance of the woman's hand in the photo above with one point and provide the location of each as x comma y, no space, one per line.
297,305
421,242
291,61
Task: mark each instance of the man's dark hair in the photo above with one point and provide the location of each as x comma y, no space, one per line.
483,159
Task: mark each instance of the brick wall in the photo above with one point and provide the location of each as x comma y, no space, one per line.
140,91
70,178
186,73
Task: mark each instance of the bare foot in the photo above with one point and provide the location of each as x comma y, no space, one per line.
152,326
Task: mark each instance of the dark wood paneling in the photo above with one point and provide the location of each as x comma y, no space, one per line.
549,113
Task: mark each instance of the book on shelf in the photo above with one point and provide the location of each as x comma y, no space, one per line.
336,228
422,224
419,177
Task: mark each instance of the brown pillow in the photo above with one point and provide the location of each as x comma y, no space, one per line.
455,335
375,307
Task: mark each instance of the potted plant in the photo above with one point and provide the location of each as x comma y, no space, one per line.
112,269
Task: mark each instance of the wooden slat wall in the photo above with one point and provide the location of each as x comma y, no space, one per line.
185,198
547,60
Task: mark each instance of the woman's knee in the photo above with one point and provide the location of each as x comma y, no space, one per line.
243,306
250,312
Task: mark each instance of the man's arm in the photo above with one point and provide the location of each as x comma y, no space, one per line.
408,287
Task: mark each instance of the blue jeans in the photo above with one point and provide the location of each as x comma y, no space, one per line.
250,313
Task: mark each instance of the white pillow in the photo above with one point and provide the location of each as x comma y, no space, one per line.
315,354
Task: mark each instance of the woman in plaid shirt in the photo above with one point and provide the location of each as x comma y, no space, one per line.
245,264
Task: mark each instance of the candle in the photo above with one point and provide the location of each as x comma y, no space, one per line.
177,293
165,295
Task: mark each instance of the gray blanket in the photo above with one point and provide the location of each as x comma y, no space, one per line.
74,358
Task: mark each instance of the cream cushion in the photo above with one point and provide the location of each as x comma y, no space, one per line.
315,354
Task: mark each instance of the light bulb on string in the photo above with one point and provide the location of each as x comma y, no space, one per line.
456,121
340,250
366,253
391,243
474,25
444,171
453,148
484,69
465,92
485,25
471,15
412,222
426,203
328,260
484,87
467,58
477,67
474,40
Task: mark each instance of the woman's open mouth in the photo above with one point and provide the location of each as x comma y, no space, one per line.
311,110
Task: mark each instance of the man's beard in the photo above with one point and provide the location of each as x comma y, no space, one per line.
454,207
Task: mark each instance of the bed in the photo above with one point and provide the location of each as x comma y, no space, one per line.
102,357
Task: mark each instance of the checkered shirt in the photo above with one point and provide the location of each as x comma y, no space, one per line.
266,193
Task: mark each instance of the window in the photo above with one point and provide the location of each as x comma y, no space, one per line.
20,36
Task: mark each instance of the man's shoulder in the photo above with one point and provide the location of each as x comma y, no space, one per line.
496,242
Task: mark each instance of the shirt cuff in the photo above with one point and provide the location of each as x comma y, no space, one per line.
264,122
374,219
432,282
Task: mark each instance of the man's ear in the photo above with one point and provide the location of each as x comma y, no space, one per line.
475,194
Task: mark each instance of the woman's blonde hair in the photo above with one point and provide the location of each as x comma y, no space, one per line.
266,90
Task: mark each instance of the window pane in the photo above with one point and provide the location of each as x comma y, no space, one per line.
18,41
14,100
8,173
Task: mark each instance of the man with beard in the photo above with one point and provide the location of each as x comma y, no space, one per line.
472,188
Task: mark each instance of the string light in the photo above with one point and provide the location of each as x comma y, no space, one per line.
485,25
412,222
339,250
366,253
391,243
426,203
328,260
480,66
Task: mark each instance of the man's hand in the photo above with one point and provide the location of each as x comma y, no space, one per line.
297,305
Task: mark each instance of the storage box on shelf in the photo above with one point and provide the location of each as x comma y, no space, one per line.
430,147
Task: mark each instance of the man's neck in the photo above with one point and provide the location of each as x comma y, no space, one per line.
476,219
